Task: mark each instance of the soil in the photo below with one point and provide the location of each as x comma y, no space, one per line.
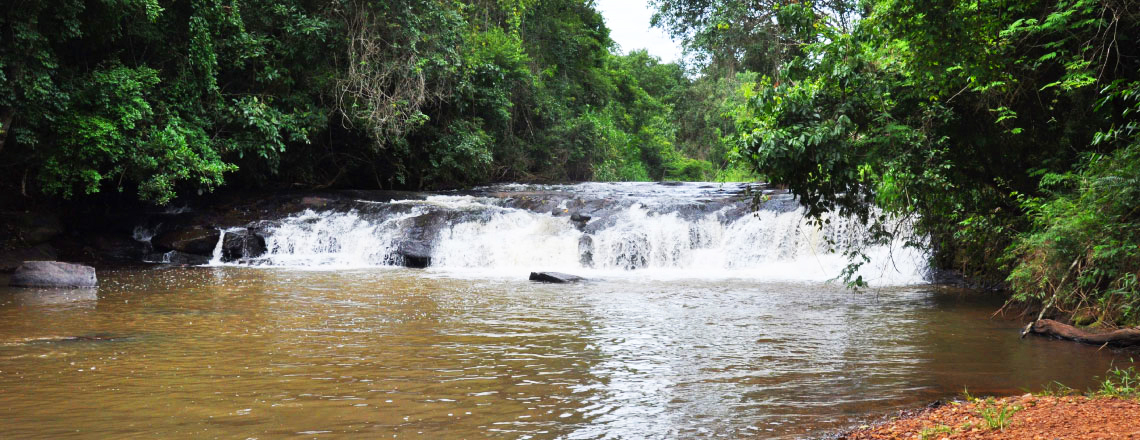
1033,417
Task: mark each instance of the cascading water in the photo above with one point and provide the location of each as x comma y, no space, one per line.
619,230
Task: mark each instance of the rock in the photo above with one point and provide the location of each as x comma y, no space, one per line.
555,277
586,251
32,228
53,274
240,245
315,202
11,259
420,236
414,254
579,217
117,247
670,183
194,240
185,259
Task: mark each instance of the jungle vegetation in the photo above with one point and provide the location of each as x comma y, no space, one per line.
157,99
1005,131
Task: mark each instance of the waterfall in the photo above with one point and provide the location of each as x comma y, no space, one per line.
216,255
670,233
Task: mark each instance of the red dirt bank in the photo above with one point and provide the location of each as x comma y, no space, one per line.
1045,418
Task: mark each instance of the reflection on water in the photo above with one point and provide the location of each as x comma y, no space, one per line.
237,352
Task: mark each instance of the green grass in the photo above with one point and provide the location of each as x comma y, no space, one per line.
996,417
932,433
1120,383
1057,389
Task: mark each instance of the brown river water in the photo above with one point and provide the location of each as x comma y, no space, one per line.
239,352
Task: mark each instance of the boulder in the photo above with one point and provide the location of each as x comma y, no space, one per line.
555,277
194,240
239,245
421,233
53,274
414,254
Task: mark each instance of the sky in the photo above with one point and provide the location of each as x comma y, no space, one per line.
628,21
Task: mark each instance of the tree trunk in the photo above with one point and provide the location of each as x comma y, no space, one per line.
1122,337
6,116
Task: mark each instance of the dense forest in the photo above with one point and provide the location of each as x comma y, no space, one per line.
157,99
1006,132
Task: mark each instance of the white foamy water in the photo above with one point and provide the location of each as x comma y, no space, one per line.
481,238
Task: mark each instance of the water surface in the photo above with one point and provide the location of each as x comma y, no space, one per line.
238,352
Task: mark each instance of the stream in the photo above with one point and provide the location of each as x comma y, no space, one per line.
699,319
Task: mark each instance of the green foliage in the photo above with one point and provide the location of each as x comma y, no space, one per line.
996,416
1005,130
1121,384
165,98
150,97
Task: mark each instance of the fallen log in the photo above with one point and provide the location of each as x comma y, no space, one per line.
1120,338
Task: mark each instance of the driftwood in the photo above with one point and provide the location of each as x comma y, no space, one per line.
1122,337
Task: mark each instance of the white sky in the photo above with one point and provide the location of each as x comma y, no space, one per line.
628,21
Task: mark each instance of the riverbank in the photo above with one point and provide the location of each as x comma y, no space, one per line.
1018,417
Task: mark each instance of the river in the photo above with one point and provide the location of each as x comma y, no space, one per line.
322,338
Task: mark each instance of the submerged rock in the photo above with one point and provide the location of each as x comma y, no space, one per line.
194,240
53,274
84,297
176,257
555,277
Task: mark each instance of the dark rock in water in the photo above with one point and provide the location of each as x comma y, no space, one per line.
241,245
555,277
117,247
579,217
670,183
176,257
315,202
420,236
586,251
29,228
11,259
53,274
195,240
414,254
